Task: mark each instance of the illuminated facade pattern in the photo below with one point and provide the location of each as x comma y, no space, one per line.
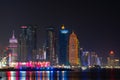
32,64
63,46
85,58
13,55
73,50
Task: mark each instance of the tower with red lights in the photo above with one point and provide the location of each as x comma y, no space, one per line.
111,58
13,49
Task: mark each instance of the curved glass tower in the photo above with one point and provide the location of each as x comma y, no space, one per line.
63,46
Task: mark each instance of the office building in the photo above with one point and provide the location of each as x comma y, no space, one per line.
63,46
85,58
13,49
111,59
73,50
51,45
28,43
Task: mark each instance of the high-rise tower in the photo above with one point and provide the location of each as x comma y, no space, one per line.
28,43
63,46
111,59
23,44
13,55
51,45
73,50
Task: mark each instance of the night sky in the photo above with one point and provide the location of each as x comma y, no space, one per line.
96,22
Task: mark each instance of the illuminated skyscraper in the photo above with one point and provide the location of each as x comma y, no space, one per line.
93,58
13,55
111,59
85,58
63,46
73,50
27,43
51,45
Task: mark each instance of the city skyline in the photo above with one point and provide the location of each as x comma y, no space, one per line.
95,23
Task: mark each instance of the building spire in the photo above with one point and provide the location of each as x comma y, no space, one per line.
13,39
13,35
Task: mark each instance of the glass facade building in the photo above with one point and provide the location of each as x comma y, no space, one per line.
51,46
27,43
63,46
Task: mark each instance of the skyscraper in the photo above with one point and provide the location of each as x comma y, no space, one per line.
94,59
28,43
32,43
73,50
23,44
85,58
51,45
111,59
63,46
13,47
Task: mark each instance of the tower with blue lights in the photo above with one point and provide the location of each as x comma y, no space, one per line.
13,47
63,46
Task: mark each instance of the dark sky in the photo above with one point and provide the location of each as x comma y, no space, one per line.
96,22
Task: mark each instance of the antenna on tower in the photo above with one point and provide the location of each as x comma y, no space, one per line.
13,36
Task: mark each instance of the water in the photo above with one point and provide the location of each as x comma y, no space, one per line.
60,75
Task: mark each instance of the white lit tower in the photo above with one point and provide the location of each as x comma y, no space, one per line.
13,49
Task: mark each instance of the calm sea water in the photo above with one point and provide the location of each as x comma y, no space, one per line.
60,75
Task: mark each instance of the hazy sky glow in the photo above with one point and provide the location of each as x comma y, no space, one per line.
95,22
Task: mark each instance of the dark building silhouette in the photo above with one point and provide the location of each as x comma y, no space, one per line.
28,43
51,45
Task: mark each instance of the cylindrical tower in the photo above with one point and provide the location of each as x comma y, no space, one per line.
63,46
73,50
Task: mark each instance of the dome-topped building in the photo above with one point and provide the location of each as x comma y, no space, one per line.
13,45
13,39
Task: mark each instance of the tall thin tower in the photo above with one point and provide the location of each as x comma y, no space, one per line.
13,56
23,44
51,45
73,50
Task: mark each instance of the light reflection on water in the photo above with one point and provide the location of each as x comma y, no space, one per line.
60,75
33,75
